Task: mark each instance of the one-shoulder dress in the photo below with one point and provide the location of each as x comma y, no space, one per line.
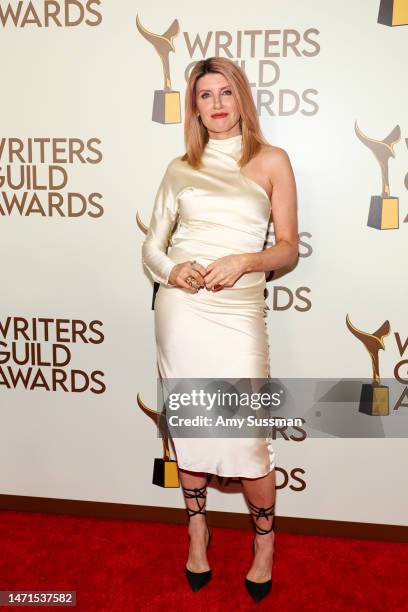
202,215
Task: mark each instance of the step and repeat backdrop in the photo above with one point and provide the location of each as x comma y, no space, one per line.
92,108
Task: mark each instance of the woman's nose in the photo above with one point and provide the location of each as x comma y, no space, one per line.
217,102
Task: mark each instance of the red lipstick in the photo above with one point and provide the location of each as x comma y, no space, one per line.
216,115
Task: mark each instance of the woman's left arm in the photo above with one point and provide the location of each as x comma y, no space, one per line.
285,251
225,271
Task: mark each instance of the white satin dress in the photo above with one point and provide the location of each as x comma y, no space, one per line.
203,215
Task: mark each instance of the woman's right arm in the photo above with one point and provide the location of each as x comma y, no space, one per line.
164,216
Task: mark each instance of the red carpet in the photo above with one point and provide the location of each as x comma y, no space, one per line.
119,566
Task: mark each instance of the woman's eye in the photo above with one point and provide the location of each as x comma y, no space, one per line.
226,91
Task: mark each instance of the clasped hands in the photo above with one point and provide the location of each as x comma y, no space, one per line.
223,272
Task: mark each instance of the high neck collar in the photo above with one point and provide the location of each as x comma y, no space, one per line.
224,142
231,146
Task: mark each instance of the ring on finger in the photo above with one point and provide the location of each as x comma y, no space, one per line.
192,282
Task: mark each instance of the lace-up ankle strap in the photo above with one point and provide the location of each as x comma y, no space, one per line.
197,493
258,512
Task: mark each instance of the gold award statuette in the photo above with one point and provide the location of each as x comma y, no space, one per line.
383,212
165,472
374,398
393,12
166,103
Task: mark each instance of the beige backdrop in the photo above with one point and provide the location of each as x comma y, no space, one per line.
86,81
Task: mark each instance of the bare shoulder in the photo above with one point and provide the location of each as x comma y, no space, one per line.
275,162
273,156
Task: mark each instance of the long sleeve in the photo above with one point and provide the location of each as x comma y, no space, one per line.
164,215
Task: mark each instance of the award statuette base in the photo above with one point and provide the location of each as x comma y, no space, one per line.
374,400
165,473
393,12
383,213
166,106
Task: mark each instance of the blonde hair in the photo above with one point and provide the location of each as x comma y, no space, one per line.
195,132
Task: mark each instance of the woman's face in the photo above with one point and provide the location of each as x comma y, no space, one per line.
216,106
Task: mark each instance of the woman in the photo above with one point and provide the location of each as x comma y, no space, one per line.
205,246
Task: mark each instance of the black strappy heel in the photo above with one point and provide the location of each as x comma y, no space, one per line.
197,579
259,590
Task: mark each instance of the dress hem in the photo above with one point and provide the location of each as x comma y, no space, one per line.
206,471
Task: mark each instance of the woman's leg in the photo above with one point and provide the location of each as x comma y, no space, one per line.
194,486
260,495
